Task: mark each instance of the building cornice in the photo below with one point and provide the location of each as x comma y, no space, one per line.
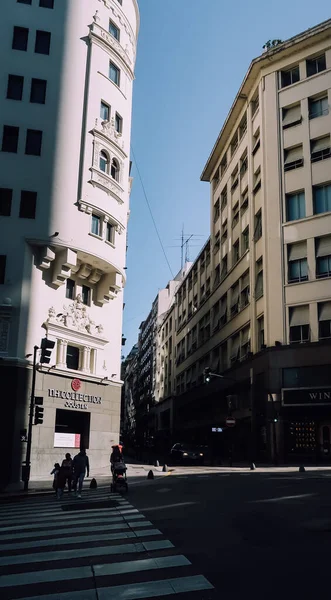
283,50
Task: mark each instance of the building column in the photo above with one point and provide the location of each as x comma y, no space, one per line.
84,359
62,353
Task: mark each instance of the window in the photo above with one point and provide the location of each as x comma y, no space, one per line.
292,115
2,268
20,38
104,111
243,126
322,198
114,73
324,320
216,248
235,252
24,1
323,256
295,206
234,143
245,342
315,65
234,179
255,103
224,270
258,225
257,180
234,305
15,87
224,198
86,295
113,30
115,170
260,333
10,139
293,158
235,349
244,201
297,262
318,107
290,76
299,324
43,42
216,210
110,233
243,164
118,123
217,275
120,2
256,141
223,309
28,205
245,240
259,279
70,289
33,142
244,286
6,196
320,149
216,179
235,215
46,3
38,91
96,225
224,231
72,358
104,162
224,164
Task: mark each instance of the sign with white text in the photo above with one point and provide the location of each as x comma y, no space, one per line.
66,440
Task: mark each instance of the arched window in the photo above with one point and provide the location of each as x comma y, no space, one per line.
115,169
104,162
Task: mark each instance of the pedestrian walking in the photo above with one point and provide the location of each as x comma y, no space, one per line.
61,482
81,466
67,470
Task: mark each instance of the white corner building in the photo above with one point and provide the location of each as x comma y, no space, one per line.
65,105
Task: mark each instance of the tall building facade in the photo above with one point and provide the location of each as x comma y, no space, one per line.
64,202
256,306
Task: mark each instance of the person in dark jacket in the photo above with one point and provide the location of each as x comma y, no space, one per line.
81,466
67,470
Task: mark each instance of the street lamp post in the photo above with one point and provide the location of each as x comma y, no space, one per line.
26,470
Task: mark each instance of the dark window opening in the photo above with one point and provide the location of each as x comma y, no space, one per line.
43,42
38,91
73,422
10,138
72,358
33,142
24,1
46,3
28,205
20,38
5,202
86,295
2,268
70,289
15,87
315,65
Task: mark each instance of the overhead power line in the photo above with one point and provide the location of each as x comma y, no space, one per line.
151,213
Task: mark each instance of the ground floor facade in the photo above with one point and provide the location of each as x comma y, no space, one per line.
78,412
281,403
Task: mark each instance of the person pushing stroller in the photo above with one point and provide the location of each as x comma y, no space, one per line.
118,468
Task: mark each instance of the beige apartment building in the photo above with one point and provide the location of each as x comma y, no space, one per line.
256,304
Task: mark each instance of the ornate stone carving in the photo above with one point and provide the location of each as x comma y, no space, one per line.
75,316
109,131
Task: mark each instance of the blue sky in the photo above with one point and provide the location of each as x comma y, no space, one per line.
192,57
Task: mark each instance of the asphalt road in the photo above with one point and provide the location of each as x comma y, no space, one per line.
261,534
192,534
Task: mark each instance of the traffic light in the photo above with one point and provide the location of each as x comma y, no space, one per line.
46,350
206,375
39,411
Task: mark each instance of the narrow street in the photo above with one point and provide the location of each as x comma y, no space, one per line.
193,533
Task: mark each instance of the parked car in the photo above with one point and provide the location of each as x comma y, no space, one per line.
185,453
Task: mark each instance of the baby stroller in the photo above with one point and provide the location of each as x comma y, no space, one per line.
119,477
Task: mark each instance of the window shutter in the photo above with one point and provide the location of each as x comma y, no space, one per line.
293,154
235,295
291,114
320,144
245,280
323,246
324,310
297,251
299,315
245,335
235,343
